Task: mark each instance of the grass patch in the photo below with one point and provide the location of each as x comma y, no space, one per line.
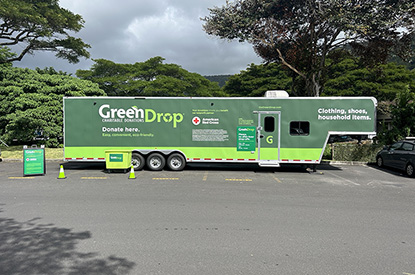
16,152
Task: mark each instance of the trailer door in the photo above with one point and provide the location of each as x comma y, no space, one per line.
268,133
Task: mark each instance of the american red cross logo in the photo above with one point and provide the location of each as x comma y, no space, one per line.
196,120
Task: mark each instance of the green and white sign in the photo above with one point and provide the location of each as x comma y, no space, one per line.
116,158
34,161
246,138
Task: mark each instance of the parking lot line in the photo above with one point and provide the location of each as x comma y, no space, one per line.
93,178
277,179
21,178
342,178
165,178
205,175
238,179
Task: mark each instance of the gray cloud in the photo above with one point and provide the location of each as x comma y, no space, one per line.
129,31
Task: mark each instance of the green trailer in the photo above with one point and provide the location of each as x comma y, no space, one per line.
174,131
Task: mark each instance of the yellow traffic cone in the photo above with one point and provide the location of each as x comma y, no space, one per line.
132,175
61,173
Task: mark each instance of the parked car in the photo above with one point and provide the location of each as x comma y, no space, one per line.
340,138
400,155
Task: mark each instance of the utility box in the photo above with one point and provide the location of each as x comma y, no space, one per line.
118,159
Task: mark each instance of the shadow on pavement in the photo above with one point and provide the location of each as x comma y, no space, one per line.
389,170
84,165
255,168
214,166
34,248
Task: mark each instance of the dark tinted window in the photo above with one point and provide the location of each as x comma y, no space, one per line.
269,124
396,145
299,128
408,147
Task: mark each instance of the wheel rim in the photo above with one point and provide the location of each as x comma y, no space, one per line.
136,163
409,170
155,162
176,162
380,162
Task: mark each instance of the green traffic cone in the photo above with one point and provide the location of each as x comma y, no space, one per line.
132,175
61,173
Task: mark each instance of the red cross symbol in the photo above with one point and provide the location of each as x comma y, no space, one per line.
196,120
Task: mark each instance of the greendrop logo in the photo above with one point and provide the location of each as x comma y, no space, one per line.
116,157
134,114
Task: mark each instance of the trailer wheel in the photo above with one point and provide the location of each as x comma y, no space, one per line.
176,162
156,162
137,161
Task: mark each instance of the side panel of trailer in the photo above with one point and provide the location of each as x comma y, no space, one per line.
262,130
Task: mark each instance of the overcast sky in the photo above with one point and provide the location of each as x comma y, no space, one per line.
129,31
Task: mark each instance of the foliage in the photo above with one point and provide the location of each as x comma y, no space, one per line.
149,78
355,152
407,62
40,25
346,76
327,154
5,54
16,152
300,34
403,117
258,79
31,103
220,79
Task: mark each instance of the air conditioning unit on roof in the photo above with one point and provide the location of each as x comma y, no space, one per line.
276,93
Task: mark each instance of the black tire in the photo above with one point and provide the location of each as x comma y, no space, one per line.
410,170
379,161
156,162
176,162
137,161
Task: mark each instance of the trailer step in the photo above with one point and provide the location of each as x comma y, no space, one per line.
269,164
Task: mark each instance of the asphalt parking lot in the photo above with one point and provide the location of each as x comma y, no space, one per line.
207,220
333,174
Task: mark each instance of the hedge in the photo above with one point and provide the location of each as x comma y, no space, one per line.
354,152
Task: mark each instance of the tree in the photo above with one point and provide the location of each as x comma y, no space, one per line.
31,103
403,117
40,25
220,79
257,79
409,62
346,76
149,78
301,33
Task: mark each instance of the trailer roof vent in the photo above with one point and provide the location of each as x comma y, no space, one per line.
276,93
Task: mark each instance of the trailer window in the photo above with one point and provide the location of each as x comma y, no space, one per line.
299,128
269,124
